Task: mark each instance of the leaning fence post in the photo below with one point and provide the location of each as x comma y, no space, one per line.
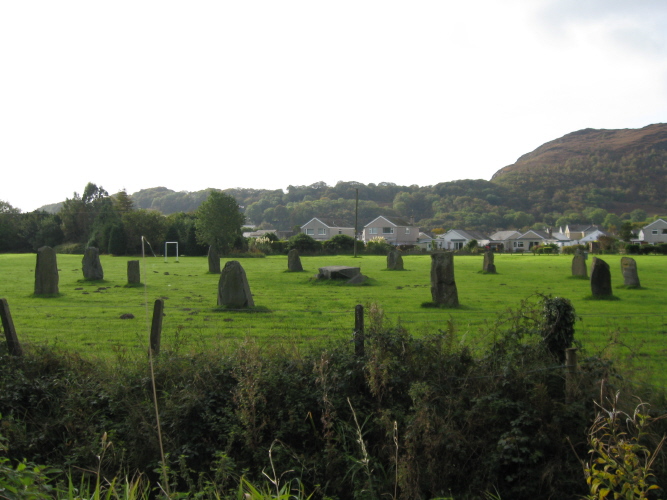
570,374
13,345
156,326
359,330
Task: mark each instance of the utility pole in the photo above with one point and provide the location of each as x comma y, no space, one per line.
356,219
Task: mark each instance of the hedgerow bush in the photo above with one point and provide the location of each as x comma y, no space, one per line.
409,417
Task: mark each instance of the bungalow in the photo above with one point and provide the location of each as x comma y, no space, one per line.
456,239
424,241
396,230
654,233
531,238
322,229
503,240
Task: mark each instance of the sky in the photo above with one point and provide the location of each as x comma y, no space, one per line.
266,94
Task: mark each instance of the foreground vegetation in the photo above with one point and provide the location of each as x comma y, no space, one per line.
434,416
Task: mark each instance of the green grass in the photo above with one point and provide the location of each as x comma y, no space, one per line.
86,315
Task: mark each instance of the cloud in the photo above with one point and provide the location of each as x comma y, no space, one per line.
639,26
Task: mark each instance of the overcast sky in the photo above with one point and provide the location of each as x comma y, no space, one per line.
264,94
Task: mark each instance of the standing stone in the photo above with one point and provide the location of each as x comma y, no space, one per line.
629,270
394,261
91,265
443,286
233,288
489,266
579,264
213,261
46,272
294,261
600,278
133,272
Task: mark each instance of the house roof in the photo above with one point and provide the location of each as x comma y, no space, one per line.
661,221
534,233
424,237
504,235
395,221
259,233
329,222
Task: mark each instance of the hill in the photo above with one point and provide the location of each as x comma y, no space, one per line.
612,169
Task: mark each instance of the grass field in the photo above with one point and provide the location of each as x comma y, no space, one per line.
293,308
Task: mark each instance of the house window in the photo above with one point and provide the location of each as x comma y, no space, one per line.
387,230
340,231
664,231
372,230
310,231
407,230
321,230
518,244
655,231
458,245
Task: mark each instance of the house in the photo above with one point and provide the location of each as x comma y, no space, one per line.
456,239
503,241
593,236
655,233
322,229
531,238
424,241
396,230
578,231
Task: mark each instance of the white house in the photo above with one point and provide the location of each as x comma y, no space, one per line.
456,239
592,236
655,233
396,230
323,229
503,240
529,239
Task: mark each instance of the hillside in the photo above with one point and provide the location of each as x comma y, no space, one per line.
612,169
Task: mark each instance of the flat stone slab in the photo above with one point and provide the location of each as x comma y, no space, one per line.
338,272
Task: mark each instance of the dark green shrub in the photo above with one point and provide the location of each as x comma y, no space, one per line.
304,244
632,249
378,246
341,243
662,248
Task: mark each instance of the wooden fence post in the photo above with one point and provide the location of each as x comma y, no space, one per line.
570,374
13,345
359,330
156,326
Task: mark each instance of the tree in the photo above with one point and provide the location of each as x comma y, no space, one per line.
219,222
625,233
150,224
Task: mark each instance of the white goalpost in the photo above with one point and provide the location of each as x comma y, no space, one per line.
166,246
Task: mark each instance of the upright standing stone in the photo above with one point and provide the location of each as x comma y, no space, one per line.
629,270
394,261
46,272
133,272
213,261
233,288
91,265
294,261
600,278
579,264
443,285
489,266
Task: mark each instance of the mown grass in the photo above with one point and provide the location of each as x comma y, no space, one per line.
292,308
